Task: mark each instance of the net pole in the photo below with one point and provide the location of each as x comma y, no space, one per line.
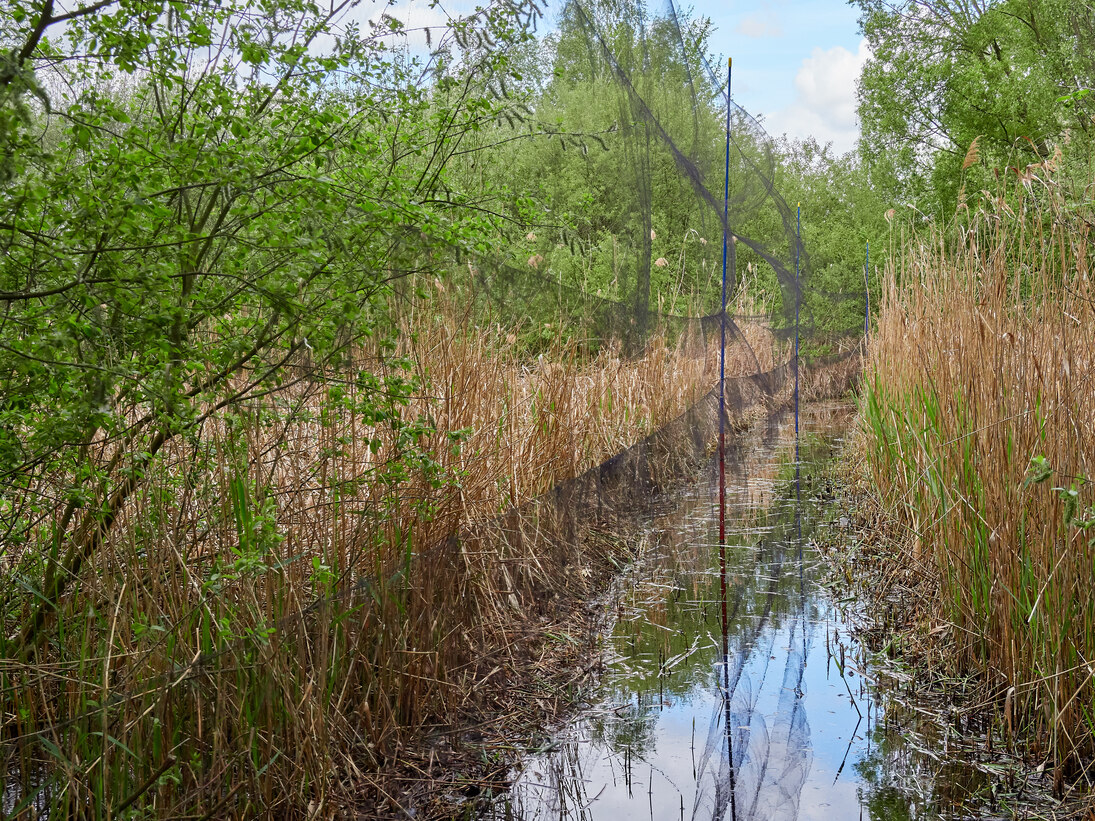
867,291
726,239
798,532
722,346
798,300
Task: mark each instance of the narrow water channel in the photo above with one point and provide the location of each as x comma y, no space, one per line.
755,711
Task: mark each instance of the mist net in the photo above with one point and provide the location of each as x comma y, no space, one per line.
677,184
644,163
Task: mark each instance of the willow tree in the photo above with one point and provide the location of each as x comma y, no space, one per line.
1012,74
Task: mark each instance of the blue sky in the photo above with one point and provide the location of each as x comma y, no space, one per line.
795,63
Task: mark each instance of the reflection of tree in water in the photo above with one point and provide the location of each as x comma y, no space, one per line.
881,789
629,727
900,782
748,769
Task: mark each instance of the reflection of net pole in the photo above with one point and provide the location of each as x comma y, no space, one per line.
798,537
798,301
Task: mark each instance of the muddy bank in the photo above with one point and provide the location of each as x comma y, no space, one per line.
501,702
947,739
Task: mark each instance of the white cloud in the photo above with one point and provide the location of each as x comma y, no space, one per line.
762,23
825,101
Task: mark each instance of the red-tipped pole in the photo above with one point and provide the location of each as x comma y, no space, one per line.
727,243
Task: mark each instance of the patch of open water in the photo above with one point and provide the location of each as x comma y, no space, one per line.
738,694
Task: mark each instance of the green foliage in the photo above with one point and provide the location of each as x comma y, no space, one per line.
207,208
594,177
841,214
1010,74
595,192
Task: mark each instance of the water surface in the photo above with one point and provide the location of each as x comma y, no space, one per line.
731,688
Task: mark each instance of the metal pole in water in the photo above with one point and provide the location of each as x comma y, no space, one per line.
798,301
726,241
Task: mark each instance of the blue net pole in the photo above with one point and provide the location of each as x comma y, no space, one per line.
726,240
798,300
722,347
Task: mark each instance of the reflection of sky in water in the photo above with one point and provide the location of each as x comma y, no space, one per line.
655,746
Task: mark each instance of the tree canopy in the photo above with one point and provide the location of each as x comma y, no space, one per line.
1011,75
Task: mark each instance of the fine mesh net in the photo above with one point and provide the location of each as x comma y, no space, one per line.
642,256
655,265
645,256
647,252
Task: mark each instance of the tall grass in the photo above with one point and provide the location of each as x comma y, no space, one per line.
980,405
257,634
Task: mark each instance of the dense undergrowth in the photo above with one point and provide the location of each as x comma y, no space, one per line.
285,604
978,406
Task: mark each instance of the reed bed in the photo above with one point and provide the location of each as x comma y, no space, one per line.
534,424
979,404
259,633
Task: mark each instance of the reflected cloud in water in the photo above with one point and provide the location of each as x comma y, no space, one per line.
731,688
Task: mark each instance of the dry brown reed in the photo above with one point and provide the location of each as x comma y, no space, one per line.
267,627
534,423
980,369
